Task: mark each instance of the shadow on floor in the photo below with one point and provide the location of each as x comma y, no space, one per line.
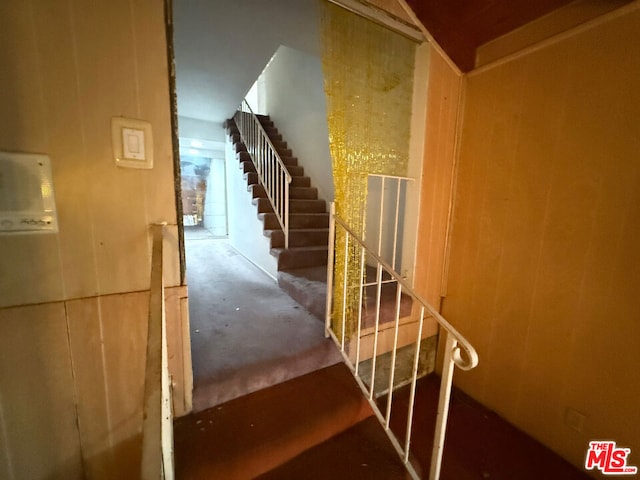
246,333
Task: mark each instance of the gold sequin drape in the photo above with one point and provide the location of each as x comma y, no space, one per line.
368,78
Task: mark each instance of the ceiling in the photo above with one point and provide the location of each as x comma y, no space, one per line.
461,26
222,46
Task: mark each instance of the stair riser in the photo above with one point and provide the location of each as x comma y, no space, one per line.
307,206
303,193
279,144
251,178
247,167
296,193
272,133
263,205
300,239
297,221
290,259
299,181
244,156
295,171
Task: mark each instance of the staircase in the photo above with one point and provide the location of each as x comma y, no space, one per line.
308,217
318,426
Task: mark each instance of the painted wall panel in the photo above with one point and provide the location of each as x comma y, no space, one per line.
76,354
37,402
443,92
67,72
544,263
291,91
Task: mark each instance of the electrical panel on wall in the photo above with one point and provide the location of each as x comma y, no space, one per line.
27,202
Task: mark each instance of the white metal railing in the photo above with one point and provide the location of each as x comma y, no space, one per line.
272,171
157,428
454,343
400,185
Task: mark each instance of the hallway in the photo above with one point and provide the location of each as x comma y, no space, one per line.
246,333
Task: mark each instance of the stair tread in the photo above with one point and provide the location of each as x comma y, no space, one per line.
299,230
364,451
301,249
260,431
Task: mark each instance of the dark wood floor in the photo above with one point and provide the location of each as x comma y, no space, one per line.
479,444
318,426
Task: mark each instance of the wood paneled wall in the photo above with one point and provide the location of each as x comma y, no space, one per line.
545,264
68,68
72,385
443,100
73,305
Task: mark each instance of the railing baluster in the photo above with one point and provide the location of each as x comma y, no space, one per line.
381,218
377,329
344,290
395,226
330,264
392,371
362,264
271,170
454,344
412,393
443,406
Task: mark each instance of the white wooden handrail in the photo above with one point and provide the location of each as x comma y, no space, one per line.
157,428
272,171
455,344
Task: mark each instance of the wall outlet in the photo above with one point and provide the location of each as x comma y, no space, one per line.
574,419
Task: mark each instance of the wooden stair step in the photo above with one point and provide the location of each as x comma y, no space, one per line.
307,206
299,237
283,151
292,161
251,435
263,204
247,167
362,452
295,171
300,257
251,178
304,193
300,181
279,144
298,193
297,220
244,156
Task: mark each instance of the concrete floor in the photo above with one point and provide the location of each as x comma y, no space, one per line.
246,333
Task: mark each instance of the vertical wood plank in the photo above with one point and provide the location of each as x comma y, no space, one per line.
124,320
87,352
57,47
37,394
544,260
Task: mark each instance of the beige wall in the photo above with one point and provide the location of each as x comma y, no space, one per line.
545,264
443,100
73,306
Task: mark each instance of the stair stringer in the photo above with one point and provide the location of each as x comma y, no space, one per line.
246,230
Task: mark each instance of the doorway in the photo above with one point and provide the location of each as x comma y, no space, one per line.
203,185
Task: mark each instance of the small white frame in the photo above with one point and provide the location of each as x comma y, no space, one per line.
141,159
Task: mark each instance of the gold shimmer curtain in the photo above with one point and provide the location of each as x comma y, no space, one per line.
368,79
